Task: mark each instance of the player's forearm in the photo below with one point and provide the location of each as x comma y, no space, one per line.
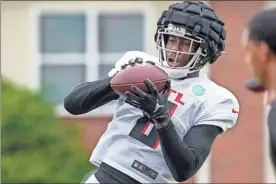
89,96
184,158
273,150
272,132
181,160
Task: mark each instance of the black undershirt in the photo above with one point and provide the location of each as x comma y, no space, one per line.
183,157
89,96
108,174
272,132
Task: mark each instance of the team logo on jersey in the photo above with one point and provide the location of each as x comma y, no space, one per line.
198,90
144,169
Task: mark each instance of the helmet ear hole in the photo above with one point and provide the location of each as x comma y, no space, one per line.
215,57
194,21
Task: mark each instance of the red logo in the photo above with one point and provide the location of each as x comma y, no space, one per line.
234,111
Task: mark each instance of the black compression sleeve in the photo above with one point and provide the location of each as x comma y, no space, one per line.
89,96
185,157
272,132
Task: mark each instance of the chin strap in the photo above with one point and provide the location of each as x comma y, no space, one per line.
173,72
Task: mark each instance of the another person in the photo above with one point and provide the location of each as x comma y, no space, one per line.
163,137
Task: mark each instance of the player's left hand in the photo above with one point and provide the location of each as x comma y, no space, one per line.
153,105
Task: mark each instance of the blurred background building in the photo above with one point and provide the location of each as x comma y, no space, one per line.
55,45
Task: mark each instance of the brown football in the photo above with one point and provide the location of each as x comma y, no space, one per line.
136,75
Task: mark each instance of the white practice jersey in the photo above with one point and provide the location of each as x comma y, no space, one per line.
130,144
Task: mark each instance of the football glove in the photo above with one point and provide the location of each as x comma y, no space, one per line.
153,105
122,63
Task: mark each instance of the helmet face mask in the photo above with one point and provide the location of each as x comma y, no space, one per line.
189,36
169,58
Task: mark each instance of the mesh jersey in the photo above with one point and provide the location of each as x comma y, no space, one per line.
131,137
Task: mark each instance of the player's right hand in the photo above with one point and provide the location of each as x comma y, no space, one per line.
122,63
126,60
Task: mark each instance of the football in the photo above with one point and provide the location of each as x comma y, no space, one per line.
136,75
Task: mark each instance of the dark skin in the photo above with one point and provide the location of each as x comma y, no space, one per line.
176,43
262,63
179,153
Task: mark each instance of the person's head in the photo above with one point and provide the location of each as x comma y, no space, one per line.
259,41
189,35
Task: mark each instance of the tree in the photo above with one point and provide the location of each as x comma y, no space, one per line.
36,147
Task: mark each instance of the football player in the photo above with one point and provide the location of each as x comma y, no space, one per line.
260,43
163,137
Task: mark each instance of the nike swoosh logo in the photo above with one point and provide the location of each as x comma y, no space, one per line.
234,111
